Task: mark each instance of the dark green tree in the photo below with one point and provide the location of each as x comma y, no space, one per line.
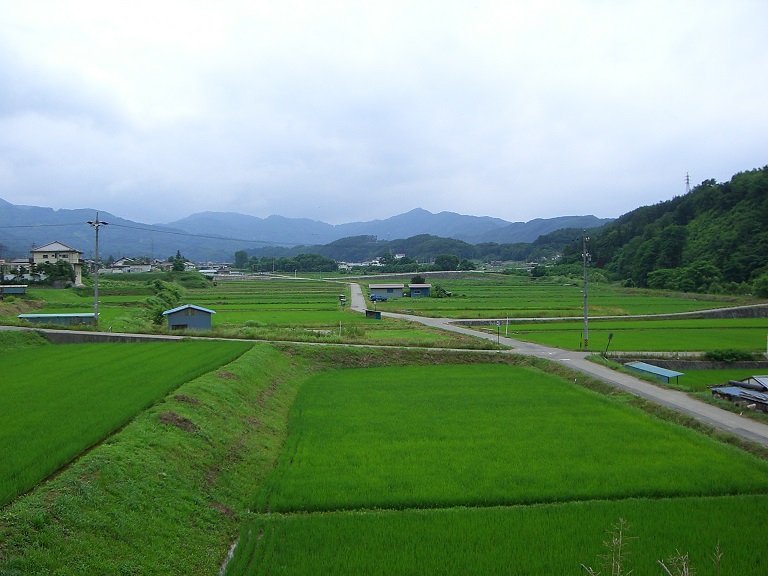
446,262
178,262
241,259
57,271
387,259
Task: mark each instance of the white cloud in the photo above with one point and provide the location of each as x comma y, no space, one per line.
346,111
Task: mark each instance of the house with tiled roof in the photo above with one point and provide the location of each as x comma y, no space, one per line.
55,252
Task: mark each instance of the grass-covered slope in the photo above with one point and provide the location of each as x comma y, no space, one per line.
63,399
164,495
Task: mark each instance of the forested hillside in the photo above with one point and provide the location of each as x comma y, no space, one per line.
425,248
715,238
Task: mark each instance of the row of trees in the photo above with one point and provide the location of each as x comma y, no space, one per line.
421,248
388,263
45,273
299,263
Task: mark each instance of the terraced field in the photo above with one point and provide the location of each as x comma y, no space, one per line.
468,469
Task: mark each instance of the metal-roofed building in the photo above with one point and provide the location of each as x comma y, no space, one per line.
419,290
386,290
749,392
13,289
759,383
189,317
71,319
661,374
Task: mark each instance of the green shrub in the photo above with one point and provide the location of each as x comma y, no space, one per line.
729,355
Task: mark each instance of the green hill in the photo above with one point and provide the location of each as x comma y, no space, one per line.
715,238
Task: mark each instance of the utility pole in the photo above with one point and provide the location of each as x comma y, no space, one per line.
586,297
687,183
96,225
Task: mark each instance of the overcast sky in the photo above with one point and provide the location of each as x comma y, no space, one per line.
343,111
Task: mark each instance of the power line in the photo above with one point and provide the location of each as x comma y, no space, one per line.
43,225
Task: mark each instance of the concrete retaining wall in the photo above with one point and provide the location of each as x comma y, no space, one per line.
74,337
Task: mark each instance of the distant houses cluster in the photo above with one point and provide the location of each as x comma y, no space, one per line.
346,266
20,270
26,269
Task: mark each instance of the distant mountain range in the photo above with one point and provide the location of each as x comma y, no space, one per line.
216,236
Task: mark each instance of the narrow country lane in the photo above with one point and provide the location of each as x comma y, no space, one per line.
673,399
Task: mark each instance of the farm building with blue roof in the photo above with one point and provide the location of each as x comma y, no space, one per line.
189,317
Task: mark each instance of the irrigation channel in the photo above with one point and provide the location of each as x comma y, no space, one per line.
675,400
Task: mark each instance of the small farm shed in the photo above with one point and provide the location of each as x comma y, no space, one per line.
661,374
13,289
419,290
750,392
189,317
71,319
386,290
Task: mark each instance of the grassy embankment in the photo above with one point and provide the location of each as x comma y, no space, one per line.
164,494
62,400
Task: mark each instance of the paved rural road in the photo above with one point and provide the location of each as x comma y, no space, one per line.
706,413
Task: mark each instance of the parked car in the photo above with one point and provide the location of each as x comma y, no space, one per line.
375,298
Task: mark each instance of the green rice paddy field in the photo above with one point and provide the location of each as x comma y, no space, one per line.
489,469
406,466
266,309
500,296
58,401
309,310
682,335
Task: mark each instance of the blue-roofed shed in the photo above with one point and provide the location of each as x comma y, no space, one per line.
750,392
13,289
419,290
660,373
742,396
189,317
